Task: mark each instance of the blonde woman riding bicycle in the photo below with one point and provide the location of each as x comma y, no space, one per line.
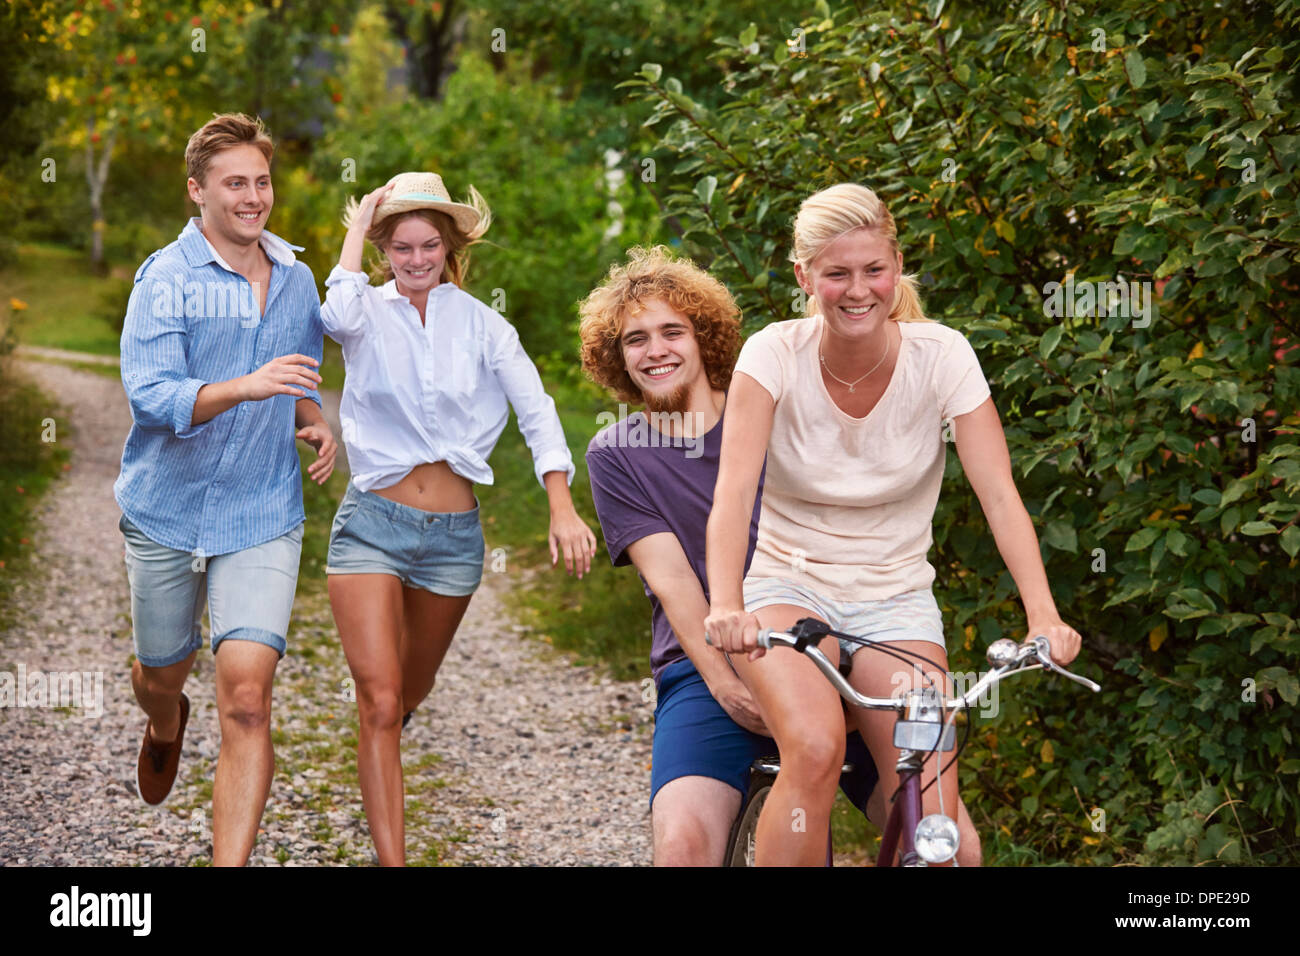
850,405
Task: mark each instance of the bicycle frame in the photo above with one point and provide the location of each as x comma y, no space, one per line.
904,815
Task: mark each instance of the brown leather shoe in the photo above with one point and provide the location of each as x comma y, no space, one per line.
156,769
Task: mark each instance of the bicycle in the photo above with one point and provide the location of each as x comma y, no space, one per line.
920,732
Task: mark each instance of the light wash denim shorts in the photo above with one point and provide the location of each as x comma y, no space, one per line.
910,616
249,595
438,551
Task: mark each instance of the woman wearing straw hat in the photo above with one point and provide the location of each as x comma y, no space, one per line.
430,370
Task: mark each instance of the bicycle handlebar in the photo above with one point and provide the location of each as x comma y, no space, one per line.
1006,657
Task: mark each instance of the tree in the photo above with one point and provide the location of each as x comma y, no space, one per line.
126,71
429,34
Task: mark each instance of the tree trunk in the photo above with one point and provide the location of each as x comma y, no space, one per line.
96,177
429,45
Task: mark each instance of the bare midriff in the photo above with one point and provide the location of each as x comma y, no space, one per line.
432,486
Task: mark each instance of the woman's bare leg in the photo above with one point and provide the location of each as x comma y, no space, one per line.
431,622
803,712
368,612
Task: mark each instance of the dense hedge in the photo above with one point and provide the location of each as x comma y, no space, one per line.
1154,145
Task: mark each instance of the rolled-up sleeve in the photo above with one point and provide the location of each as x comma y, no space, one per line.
535,410
155,372
344,313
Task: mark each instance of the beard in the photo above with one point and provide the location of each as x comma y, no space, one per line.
678,400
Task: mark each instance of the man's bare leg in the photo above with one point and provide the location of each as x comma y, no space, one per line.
158,689
246,762
692,818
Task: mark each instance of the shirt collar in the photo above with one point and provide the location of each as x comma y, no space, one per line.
199,251
389,289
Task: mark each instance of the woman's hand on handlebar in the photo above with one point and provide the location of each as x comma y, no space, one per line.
1064,640
735,632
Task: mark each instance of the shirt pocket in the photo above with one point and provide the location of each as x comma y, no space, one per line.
456,365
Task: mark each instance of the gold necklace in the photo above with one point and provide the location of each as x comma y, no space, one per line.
822,356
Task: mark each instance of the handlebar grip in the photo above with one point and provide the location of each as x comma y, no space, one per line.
764,638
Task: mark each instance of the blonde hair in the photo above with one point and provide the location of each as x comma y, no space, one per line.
457,240
224,131
680,284
825,216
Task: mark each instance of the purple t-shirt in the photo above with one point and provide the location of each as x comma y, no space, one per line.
644,482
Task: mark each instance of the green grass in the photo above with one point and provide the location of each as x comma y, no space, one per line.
66,301
851,832
331,366
319,502
603,618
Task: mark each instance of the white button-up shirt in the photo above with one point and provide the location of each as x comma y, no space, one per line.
434,392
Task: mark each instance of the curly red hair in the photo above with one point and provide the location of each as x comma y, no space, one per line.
686,288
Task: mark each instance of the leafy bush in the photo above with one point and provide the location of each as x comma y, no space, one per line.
1019,146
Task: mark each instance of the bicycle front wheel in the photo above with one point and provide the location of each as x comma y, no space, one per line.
740,850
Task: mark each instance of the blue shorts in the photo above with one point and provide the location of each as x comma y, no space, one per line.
694,736
249,595
438,551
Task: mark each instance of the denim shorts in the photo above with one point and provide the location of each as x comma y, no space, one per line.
438,551
910,616
249,595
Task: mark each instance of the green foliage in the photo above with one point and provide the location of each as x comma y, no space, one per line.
371,53
23,112
531,156
1184,838
591,45
1021,146
28,462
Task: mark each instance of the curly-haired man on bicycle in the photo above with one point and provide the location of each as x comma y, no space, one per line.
663,333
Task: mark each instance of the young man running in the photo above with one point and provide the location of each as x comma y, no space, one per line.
221,339
663,333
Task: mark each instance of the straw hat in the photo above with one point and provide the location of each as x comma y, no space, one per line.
424,191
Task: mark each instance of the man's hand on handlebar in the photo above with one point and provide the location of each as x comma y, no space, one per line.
733,632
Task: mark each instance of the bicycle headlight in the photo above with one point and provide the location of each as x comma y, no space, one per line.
937,839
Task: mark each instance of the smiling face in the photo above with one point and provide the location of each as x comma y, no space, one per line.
662,357
417,254
854,279
236,197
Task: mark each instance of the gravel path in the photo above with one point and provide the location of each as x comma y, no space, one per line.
516,758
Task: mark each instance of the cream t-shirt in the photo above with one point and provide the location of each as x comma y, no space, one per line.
848,502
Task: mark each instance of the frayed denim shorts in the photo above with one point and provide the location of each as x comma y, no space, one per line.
249,595
438,551
910,616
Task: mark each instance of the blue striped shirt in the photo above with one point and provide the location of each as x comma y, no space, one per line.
233,481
